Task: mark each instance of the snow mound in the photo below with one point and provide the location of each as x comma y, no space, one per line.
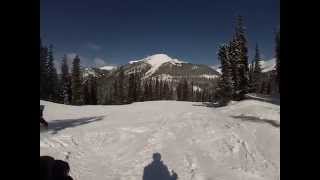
156,61
236,142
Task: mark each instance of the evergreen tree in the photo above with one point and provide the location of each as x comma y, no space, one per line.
268,87
53,84
179,91
138,87
241,55
131,88
157,89
278,59
66,81
256,76
224,87
93,91
86,94
43,72
150,90
146,96
192,92
185,91
76,82
263,87
121,86
115,97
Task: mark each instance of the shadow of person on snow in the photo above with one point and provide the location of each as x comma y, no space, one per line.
58,125
258,120
157,170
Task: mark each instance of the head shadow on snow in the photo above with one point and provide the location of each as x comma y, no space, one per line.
57,125
157,170
258,120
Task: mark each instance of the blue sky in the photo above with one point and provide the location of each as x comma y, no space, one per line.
117,31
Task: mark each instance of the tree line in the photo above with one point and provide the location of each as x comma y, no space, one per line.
238,77
69,87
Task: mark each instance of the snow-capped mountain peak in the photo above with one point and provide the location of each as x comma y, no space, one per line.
156,61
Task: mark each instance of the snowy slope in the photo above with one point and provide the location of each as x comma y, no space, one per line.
268,65
237,142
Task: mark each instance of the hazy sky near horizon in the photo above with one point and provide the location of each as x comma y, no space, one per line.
117,31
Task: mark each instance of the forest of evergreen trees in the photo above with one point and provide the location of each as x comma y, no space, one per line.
237,79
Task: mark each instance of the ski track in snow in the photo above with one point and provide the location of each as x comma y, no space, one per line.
197,142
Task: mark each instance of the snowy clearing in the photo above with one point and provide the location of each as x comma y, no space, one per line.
237,142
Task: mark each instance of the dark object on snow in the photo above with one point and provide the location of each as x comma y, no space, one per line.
60,170
42,121
156,170
46,163
174,175
51,169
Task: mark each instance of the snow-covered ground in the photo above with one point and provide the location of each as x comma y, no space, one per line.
237,142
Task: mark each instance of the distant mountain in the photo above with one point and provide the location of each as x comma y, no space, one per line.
108,68
164,67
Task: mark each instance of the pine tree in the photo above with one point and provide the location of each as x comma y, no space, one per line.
185,91
115,96
121,86
278,59
53,84
256,76
157,89
131,88
76,82
43,72
66,81
93,91
241,55
179,92
146,96
138,87
86,94
192,92
224,89
150,90
263,87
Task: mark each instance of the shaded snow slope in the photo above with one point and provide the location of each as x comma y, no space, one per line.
237,142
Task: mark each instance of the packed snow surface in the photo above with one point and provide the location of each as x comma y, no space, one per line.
156,61
238,142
